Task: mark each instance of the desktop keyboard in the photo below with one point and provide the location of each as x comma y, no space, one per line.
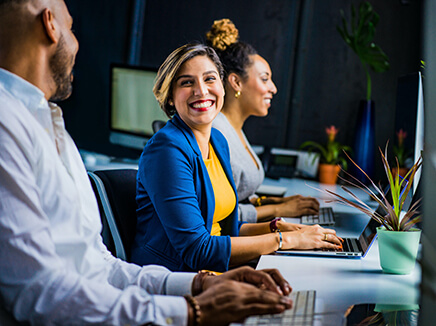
301,314
324,217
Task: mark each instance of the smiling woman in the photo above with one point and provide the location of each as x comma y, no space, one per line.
187,201
197,95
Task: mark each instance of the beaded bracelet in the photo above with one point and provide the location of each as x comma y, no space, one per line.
195,307
273,224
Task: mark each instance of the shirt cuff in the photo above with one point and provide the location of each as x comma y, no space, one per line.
179,283
170,310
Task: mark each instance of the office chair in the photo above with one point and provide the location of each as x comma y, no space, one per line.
157,125
116,194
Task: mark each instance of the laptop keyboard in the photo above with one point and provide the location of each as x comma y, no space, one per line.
324,217
349,245
301,314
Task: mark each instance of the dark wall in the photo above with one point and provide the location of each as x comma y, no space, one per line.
320,80
330,80
271,26
102,28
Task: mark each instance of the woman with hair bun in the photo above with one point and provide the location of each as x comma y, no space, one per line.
249,91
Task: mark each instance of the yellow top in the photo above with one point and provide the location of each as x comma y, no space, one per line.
225,199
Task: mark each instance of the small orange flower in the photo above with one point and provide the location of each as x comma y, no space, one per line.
401,134
331,132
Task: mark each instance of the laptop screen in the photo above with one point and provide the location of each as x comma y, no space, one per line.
368,234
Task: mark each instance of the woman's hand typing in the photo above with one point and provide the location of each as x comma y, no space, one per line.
312,237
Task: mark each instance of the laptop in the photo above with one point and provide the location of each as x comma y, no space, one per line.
352,247
302,312
325,217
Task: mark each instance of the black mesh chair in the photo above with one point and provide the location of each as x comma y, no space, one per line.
116,195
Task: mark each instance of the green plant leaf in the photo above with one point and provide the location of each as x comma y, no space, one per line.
359,35
399,189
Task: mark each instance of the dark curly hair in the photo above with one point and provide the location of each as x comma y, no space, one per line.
234,54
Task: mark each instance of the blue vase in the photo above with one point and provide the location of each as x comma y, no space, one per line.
364,142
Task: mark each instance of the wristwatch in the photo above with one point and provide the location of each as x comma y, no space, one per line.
273,224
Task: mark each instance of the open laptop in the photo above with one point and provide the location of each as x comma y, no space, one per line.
352,247
302,312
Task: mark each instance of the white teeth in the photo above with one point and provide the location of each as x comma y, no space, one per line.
268,100
202,105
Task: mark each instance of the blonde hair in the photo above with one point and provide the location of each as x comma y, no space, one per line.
162,89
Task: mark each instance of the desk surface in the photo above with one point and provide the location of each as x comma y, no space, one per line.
342,282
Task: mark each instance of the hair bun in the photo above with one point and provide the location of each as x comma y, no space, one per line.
222,34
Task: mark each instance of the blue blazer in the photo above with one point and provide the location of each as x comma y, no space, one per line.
176,203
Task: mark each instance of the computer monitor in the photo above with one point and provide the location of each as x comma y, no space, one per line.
410,116
419,131
133,106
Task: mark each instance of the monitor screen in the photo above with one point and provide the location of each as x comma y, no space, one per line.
410,116
133,106
419,131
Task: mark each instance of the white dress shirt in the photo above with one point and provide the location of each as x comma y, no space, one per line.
54,267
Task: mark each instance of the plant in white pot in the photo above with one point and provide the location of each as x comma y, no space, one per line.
398,237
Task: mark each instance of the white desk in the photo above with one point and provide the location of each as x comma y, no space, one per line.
342,282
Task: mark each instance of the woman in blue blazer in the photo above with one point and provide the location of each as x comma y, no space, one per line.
177,196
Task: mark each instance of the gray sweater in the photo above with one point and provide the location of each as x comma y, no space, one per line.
248,177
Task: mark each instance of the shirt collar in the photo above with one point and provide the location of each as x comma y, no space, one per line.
30,95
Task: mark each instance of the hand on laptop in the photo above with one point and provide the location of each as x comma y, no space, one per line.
231,301
312,237
269,279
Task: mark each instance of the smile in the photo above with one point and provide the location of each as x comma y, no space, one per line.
202,105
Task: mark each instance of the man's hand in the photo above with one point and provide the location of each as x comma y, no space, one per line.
269,279
230,301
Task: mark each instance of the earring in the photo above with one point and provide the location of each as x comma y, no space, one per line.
237,94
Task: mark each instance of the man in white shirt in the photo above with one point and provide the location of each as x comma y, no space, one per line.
54,268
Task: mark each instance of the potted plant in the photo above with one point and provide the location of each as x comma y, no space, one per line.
398,239
359,35
330,156
401,154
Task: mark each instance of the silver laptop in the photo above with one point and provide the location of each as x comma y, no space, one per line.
352,247
302,312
